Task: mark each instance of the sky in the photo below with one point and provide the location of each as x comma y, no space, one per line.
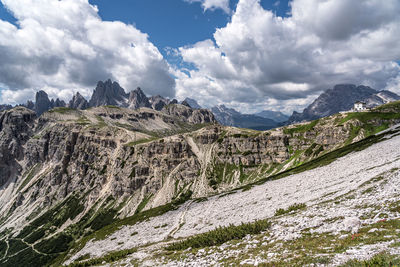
250,55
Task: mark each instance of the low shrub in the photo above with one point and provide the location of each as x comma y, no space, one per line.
109,257
290,209
221,235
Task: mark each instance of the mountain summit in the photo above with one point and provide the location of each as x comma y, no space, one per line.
342,98
108,93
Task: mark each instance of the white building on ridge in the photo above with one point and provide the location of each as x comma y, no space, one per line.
360,106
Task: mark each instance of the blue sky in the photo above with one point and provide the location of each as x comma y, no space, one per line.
174,23
247,54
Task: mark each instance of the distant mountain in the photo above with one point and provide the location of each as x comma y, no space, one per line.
5,107
158,102
137,99
273,115
108,93
382,97
43,103
341,98
78,102
192,103
231,117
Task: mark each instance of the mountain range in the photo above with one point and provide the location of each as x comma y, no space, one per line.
110,93
342,98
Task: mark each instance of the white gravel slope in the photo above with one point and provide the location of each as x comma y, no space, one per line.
311,187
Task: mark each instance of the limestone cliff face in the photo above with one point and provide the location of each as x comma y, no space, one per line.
194,116
145,156
16,127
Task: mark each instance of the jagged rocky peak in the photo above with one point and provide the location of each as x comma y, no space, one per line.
57,103
78,102
192,103
137,99
42,102
29,104
158,102
341,98
108,93
185,103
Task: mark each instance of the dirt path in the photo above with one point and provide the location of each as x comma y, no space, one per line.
181,221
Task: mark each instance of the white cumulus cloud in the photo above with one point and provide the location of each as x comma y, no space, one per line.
213,4
260,60
64,46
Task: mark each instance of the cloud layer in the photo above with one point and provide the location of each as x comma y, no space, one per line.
64,46
257,61
262,60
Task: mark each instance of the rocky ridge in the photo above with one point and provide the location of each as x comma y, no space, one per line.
108,162
342,98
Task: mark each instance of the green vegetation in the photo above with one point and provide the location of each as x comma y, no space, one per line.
143,204
378,260
100,122
55,217
301,128
83,120
310,150
221,235
142,141
291,208
33,171
15,245
219,173
373,122
111,106
103,218
109,257
3,248
26,257
61,110
55,244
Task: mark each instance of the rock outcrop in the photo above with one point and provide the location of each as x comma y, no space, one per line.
108,93
195,116
78,102
137,99
16,128
42,103
158,102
